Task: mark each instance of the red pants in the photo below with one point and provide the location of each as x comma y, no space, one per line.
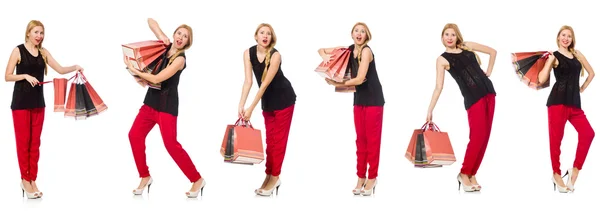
277,124
368,123
28,125
481,116
144,122
557,119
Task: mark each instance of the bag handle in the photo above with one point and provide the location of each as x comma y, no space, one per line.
431,126
47,82
243,123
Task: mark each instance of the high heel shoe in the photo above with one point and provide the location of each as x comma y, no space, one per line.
366,192
466,188
357,191
32,195
140,191
195,193
561,189
569,173
275,188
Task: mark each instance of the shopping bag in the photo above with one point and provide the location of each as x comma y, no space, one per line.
60,94
147,56
336,69
242,144
430,147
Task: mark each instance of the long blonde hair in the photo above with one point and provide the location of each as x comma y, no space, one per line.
269,47
367,39
32,24
571,47
186,46
459,39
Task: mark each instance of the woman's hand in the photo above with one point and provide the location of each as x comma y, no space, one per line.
130,67
327,58
248,113
33,81
429,118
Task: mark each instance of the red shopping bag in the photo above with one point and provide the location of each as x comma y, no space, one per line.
430,147
242,144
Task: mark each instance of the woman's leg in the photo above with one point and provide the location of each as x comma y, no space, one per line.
142,125
373,128
168,130
586,135
37,124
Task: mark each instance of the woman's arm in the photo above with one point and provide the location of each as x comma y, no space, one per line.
57,67
365,59
441,65
544,75
163,75
157,31
487,50
588,69
10,67
273,68
247,80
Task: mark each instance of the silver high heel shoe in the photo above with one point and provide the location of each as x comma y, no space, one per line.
366,192
561,189
32,195
140,191
195,194
275,188
569,181
358,190
469,188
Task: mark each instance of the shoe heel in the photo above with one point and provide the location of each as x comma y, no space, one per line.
277,190
149,188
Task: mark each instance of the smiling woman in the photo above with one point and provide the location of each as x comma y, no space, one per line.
564,104
463,64
161,107
28,103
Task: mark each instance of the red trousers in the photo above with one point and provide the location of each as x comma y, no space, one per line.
277,124
368,123
481,117
558,115
28,125
144,122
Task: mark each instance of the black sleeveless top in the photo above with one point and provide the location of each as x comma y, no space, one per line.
566,88
167,98
370,92
25,96
469,76
280,93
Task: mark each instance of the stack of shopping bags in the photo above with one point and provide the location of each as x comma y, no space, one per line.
146,56
242,144
337,69
430,147
82,100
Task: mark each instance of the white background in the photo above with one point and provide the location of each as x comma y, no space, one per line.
88,164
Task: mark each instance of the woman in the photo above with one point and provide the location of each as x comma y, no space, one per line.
564,104
277,98
161,107
28,103
478,92
368,106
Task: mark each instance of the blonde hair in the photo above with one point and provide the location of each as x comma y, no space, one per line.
459,39
269,47
32,24
571,47
367,39
186,46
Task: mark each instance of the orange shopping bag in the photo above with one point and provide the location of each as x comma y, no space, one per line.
242,144
430,147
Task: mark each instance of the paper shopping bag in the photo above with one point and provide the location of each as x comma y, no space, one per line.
242,144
